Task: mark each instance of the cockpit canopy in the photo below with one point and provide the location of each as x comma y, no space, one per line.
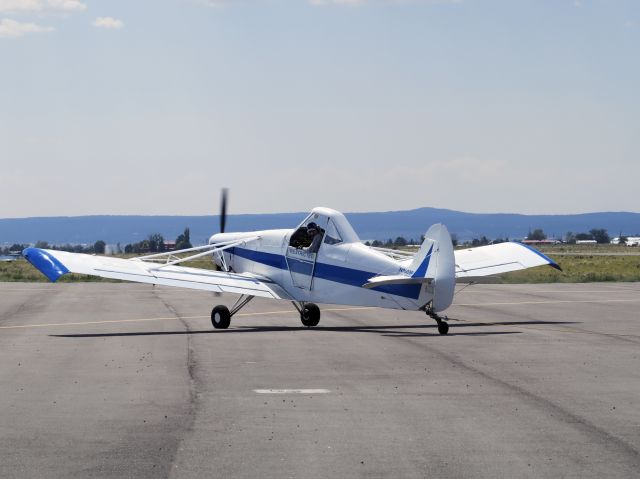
330,223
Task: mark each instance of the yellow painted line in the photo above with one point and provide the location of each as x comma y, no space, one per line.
84,323
289,311
83,293
293,311
559,301
173,318
608,291
540,328
560,330
28,289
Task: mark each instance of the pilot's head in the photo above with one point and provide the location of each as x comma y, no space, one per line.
312,229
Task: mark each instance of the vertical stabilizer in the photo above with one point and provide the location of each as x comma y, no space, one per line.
435,260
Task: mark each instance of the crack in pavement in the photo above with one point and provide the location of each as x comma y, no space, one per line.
193,389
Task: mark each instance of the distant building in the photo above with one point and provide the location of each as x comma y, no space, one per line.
111,249
631,241
541,242
586,242
169,245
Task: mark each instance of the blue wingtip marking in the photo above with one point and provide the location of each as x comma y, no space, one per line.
45,263
552,263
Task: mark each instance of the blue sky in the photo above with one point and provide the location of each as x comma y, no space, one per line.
149,107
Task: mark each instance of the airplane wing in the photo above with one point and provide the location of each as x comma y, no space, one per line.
498,258
54,264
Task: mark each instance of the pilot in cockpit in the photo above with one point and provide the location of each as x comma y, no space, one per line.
315,234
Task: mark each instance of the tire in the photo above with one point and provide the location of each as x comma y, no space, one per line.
220,317
310,315
443,328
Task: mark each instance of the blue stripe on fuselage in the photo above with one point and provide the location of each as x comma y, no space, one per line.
330,272
270,259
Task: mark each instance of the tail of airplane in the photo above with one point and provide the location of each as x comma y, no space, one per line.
435,260
433,267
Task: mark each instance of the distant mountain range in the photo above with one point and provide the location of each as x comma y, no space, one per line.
379,225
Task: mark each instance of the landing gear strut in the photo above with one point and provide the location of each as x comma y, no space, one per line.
221,315
443,326
309,313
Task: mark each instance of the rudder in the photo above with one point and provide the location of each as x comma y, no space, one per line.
435,260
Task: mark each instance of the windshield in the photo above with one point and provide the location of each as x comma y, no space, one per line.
332,235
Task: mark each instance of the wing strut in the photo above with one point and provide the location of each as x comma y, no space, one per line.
170,257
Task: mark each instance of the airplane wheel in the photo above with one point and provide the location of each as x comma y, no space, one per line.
443,327
220,317
310,315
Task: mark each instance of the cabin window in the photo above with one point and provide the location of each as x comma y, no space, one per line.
300,238
332,236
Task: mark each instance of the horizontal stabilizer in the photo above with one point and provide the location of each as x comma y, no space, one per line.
394,279
499,258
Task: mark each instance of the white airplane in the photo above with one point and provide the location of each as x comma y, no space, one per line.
321,261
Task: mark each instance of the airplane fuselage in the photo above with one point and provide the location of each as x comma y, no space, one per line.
335,274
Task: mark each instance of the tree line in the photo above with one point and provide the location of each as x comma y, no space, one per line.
599,235
96,248
154,243
400,241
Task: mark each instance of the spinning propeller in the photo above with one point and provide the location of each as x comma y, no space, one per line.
223,209
223,219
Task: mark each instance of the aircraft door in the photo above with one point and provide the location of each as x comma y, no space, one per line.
301,259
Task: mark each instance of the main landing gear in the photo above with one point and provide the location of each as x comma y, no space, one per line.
221,315
309,313
443,326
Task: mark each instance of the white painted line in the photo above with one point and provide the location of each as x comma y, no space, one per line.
291,391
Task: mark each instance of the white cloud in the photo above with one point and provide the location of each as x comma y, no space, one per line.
13,29
108,23
39,6
337,2
67,5
363,2
223,3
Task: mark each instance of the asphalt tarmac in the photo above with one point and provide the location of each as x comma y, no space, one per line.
121,380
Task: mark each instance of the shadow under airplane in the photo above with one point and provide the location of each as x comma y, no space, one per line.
387,330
